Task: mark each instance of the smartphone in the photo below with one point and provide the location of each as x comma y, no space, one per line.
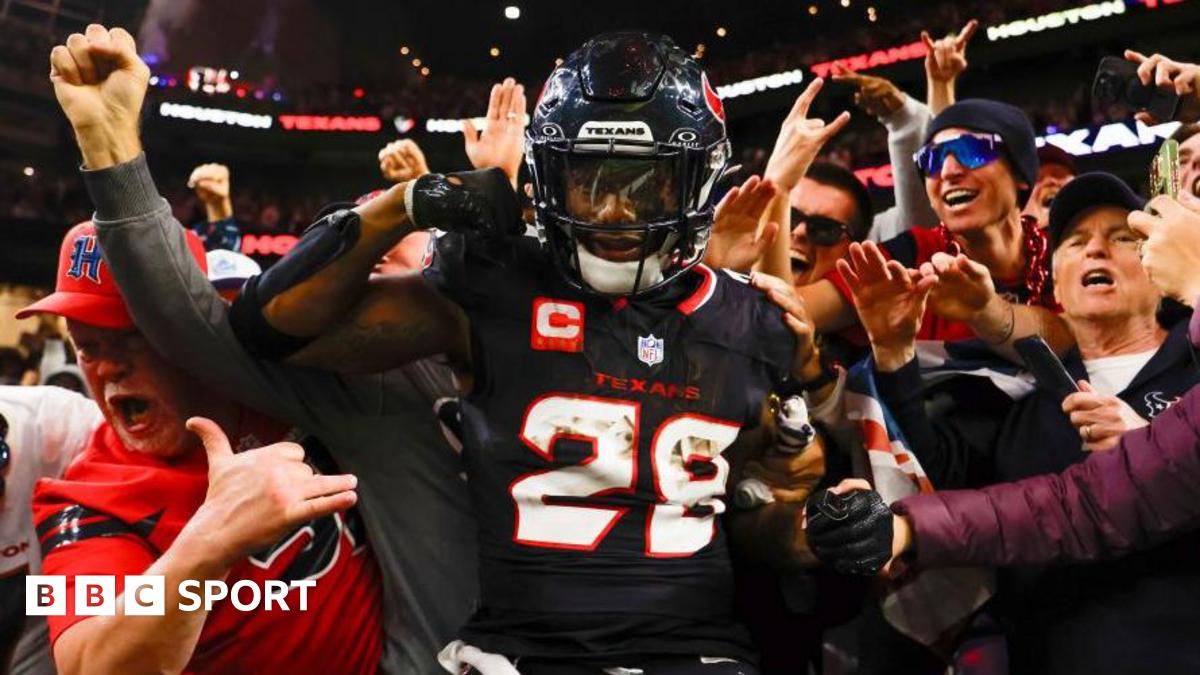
1047,369
1164,170
1117,82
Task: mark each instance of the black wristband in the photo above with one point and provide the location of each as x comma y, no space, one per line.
471,201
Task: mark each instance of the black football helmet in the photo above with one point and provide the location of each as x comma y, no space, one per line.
626,143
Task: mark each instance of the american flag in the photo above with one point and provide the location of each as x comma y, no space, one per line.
929,605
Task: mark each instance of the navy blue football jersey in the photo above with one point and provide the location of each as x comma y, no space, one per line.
595,442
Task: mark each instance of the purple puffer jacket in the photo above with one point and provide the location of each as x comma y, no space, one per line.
1133,497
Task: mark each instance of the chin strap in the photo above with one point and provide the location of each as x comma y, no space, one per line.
607,276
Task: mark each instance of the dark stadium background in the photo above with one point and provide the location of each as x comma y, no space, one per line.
339,58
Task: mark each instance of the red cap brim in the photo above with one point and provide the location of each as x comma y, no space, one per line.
102,311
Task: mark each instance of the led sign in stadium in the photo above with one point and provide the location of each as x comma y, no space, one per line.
199,113
364,123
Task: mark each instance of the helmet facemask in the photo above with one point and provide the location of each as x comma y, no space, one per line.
626,142
624,217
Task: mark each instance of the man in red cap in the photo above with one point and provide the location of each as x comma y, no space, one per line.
148,498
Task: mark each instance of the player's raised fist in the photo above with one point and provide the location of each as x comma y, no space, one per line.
100,83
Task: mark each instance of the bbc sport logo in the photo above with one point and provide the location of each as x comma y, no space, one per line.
145,595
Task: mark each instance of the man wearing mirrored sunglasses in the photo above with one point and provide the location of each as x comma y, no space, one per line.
979,163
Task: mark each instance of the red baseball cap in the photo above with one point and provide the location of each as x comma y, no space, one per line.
85,290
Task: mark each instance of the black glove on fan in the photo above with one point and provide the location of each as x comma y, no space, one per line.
851,532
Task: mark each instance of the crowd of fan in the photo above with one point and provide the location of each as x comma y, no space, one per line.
61,197
22,51
962,260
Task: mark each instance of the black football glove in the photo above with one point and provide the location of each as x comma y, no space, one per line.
851,532
480,202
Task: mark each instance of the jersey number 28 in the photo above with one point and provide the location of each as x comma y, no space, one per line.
552,505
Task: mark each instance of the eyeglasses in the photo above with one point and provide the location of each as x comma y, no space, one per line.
821,230
970,151
5,451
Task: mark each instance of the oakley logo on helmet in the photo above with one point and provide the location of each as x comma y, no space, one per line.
85,259
688,137
635,130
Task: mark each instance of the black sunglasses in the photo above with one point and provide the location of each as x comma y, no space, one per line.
5,451
821,230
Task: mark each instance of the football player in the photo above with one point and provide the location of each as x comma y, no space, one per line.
606,372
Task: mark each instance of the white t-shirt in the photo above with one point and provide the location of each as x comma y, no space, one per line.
1112,374
47,428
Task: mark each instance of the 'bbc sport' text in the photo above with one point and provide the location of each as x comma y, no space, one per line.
145,595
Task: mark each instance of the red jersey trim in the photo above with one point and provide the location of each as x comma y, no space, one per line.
703,294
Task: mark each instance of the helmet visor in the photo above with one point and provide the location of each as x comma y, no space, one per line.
620,191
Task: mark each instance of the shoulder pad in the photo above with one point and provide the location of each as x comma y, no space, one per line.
745,320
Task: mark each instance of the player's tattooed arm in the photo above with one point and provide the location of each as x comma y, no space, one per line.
311,289
309,292
398,320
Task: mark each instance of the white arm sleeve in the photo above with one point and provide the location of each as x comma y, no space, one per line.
906,131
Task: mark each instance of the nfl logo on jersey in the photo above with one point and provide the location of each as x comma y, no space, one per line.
650,350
